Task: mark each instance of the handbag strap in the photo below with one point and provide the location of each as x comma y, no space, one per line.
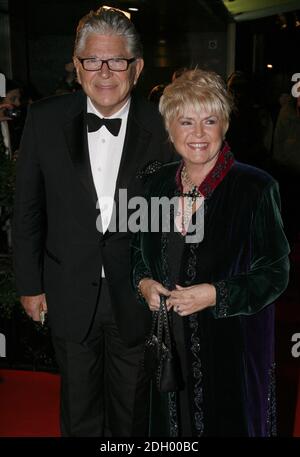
154,323
160,326
163,326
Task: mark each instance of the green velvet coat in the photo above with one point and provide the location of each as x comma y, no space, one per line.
230,347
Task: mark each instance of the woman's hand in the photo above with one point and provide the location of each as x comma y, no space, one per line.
151,290
189,300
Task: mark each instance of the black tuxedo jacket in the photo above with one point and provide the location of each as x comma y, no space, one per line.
57,247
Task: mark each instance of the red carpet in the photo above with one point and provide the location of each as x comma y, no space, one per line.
29,404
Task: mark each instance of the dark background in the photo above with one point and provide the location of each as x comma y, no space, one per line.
37,40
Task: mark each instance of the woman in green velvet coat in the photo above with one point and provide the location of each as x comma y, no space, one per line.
222,264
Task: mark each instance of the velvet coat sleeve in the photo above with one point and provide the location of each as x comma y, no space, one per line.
267,278
140,270
139,259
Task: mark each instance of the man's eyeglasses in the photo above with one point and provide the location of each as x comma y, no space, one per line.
94,64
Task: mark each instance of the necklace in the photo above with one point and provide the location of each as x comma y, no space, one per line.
185,178
190,201
193,192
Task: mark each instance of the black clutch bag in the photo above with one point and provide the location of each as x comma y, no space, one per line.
160,358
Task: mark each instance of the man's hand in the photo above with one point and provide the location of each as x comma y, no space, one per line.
189,300
3,107
151,291
33,305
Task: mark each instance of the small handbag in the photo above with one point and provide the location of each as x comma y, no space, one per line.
161,361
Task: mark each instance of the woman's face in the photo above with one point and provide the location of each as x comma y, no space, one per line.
197,137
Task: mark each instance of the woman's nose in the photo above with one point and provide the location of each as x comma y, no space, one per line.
198,129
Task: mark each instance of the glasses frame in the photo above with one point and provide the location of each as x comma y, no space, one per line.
102,61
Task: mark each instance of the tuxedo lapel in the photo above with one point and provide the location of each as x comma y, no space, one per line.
134,150
76,136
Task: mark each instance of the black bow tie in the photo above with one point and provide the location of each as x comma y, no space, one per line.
95,123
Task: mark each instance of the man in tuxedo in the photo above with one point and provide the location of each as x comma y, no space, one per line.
78,149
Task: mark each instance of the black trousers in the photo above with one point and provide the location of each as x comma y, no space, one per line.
104,391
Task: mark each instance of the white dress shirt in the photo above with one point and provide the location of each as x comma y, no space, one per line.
105,151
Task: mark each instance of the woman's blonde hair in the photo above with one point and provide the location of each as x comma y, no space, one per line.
200,89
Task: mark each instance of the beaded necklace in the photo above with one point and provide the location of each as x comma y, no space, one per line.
189,201
206,188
